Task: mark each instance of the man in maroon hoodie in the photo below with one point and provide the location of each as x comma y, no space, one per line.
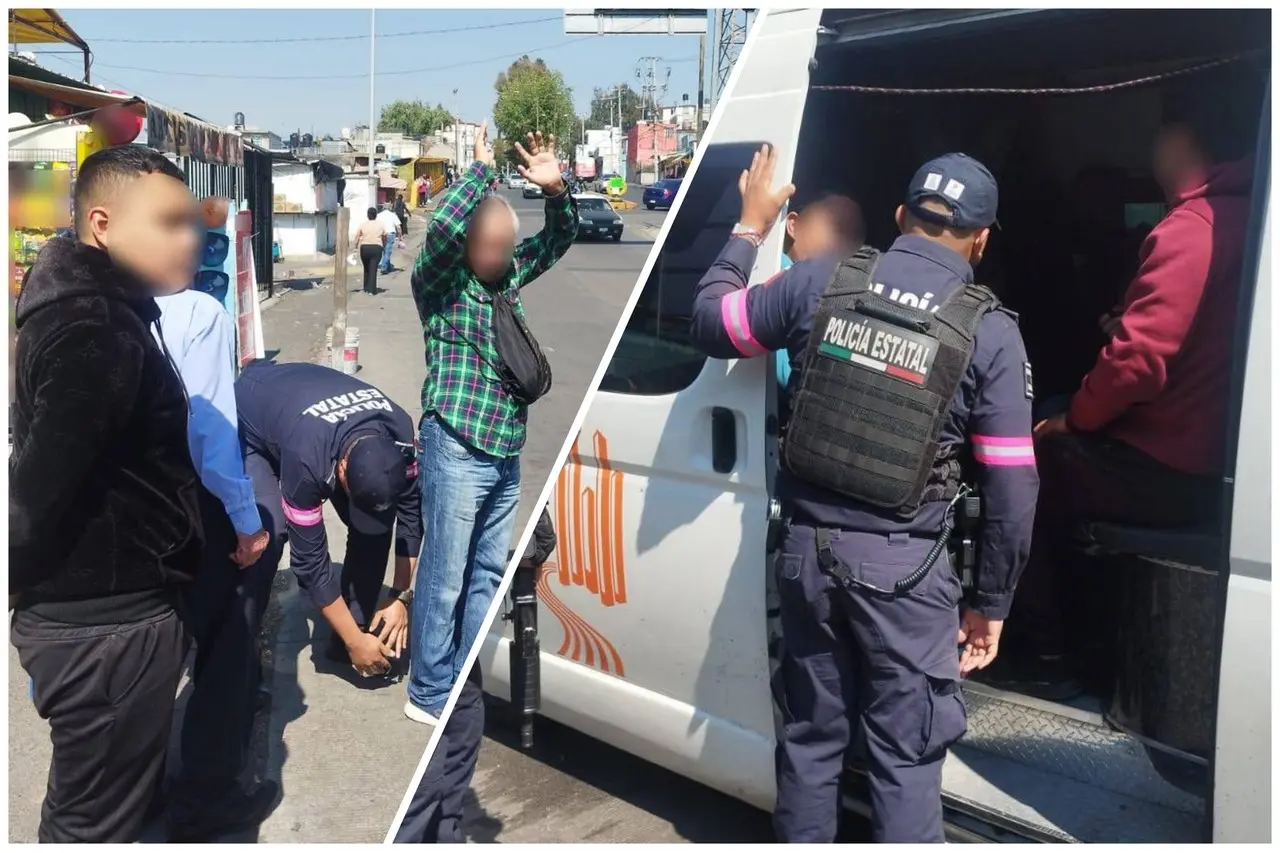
1143,440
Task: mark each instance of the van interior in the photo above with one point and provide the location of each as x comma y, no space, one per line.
1131,761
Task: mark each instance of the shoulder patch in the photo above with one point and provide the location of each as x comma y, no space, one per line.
1026,380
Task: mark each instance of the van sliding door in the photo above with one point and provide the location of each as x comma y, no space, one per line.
1242,753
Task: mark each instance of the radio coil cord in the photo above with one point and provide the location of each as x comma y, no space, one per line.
832,566
939,545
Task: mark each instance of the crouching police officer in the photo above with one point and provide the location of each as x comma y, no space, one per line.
313,434
906,378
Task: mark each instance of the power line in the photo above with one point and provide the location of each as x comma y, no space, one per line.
353,37
203,75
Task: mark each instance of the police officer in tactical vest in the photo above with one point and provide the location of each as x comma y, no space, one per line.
911,387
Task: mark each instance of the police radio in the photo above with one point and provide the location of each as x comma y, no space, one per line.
964,547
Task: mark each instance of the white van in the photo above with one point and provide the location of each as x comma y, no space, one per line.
655,632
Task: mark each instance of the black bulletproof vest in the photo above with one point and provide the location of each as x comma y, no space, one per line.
877,383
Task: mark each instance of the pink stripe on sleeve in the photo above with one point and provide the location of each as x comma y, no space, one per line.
733,313
302,517
1003,450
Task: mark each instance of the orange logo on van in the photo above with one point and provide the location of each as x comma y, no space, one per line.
588,521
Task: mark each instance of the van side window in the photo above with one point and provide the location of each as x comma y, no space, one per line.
654,356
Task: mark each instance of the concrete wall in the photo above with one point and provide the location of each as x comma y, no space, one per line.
304,235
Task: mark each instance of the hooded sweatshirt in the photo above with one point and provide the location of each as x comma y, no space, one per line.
103,518
1161,384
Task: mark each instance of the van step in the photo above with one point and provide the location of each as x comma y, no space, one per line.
1067,741
1042,805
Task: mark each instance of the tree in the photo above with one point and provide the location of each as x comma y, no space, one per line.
604,106
413,118
517,68
532,96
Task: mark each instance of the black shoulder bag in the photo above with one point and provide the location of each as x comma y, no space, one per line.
522,366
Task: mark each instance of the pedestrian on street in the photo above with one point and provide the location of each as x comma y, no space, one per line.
312,434
903,358
402,213
390,233
207,799
473,424
104,524
371,236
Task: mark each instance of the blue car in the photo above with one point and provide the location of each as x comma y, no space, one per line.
661,193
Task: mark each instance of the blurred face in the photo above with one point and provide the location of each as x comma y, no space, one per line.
831,226
1176,160
491,242
148,226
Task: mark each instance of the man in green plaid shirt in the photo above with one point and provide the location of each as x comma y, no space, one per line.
472,430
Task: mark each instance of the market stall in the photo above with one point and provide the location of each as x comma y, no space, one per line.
45,150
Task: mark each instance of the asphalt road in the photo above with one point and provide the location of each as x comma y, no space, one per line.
340,746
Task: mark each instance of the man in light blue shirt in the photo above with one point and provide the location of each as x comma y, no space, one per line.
224,604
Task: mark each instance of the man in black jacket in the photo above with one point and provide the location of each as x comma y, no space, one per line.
104,529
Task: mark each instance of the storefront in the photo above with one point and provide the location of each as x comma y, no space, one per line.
69,120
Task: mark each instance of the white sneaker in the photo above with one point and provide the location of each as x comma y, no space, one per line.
420,715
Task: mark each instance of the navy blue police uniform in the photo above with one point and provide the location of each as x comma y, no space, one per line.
435,814
858,665
296,422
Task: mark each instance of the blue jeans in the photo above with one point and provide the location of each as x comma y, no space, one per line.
469,501
388,243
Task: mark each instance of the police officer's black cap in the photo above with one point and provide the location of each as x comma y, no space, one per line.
964,185
379,469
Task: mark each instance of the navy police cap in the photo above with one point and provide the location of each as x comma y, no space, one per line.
961,183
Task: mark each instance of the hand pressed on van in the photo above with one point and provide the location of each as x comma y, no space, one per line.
980,637
761,203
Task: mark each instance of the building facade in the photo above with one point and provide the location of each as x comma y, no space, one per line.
647,144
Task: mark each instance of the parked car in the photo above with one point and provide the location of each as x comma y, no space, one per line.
531,191
661,193
596,218
515,182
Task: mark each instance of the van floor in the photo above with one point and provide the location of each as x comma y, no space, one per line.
1059,771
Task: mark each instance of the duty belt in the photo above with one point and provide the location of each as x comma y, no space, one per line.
832,566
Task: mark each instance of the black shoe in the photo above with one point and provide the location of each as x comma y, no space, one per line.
1040,676
238,812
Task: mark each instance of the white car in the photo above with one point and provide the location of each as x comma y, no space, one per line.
656,624
516,182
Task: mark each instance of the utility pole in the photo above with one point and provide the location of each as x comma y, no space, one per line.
339,340
702,76
373,175
731,26
457,135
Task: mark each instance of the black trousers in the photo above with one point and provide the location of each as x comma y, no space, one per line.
370,257
224,607
435,812
1089,477
108,693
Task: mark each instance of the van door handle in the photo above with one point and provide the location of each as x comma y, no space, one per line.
724,440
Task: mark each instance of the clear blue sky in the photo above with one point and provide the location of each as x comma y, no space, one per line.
466,60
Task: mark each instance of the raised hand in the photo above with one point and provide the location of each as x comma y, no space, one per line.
483,152
540,164
761,203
